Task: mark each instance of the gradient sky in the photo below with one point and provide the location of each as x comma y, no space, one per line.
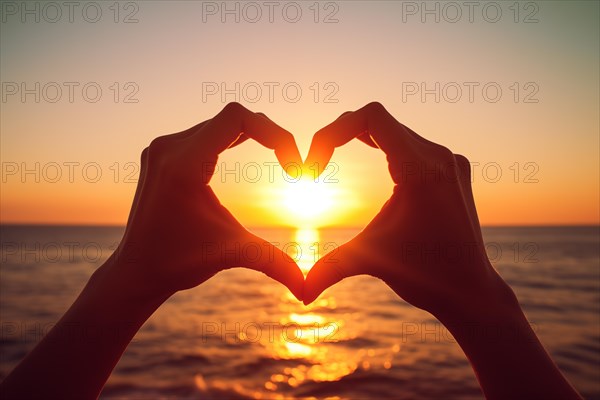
373,50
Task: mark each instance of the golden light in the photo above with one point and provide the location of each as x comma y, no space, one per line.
297,350
307,319
308,246
309,201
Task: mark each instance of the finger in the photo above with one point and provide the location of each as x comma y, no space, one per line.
260,255
187,133
161,144
341,263
242,138
225,128
372,120
192,130
311,165
366,139
418,137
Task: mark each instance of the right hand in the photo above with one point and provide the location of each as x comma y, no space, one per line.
426,242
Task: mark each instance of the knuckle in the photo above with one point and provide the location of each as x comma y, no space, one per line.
462,160
375,108
445,153
233,108
344,113
155,149
157,153
464,166
157,143
144,156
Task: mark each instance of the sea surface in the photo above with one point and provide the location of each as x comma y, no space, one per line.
241,335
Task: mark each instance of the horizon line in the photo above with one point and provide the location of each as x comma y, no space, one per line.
359,227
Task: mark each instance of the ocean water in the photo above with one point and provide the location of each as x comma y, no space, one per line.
241,335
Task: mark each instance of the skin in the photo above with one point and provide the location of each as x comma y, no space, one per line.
178,236
426,245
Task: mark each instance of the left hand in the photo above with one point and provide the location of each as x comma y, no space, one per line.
178,234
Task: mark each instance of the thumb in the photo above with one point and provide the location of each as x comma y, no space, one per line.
260,255
336,265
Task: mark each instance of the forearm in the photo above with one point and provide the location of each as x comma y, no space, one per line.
76,357
504,351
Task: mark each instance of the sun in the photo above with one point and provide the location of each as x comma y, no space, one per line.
309,201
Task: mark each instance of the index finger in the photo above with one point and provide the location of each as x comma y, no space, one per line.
235,119
372,120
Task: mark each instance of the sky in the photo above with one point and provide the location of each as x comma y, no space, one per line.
513,86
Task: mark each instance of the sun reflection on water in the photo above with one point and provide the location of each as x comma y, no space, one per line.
306,249
308,334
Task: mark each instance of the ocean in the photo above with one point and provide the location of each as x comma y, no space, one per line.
241,335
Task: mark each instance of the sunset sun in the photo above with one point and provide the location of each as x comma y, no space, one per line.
309,201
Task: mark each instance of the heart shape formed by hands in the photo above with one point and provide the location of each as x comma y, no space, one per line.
425,243
431,209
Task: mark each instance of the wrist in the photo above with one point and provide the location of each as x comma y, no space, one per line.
506,355
491,301
120,286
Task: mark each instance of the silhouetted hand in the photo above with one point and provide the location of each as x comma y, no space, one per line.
425,243
178,234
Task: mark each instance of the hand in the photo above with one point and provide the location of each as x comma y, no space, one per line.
178,234
425,243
